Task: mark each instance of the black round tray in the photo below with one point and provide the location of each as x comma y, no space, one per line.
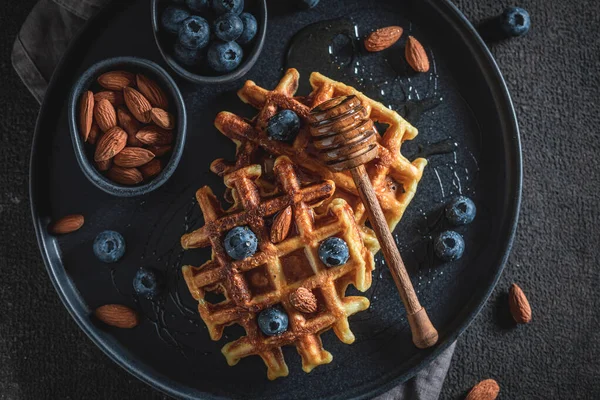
171,349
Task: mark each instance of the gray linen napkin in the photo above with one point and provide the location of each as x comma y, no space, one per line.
43,39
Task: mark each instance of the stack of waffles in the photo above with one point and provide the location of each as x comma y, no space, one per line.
272,177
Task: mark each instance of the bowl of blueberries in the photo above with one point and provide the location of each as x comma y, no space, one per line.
210,41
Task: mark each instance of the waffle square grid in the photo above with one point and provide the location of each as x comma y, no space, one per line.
268,277
393,177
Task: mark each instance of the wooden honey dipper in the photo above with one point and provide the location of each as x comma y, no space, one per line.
344,136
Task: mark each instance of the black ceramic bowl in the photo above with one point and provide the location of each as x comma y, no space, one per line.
83,154
164,42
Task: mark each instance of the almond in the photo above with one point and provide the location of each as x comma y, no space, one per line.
105,115
117,315
127,121
162,118
66,224
137,104
132,141
383,38
125,176
303,300
416,56
519,305
131,157
116,80
155,95
160,151
104,165
485,390
130,125
151,169
86,114
110,144
94,135
154,136
281,225
115,98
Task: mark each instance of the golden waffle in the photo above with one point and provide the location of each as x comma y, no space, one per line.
276,270
393,177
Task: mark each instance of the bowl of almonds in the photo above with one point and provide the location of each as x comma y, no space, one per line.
128,125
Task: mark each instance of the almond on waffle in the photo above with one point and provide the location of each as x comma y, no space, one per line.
273,275
393,177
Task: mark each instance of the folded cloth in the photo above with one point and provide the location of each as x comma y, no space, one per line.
42,41
44,37
427,384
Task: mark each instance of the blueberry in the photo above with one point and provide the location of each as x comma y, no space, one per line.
187,57
449,246
306,4
240,243
250,28
147,282
194,33
283,126
228,27
172,18
515,21
273,321
109,246
460,211
224,56
333,252
228,6
197,5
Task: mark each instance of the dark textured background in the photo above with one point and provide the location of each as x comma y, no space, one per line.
554,77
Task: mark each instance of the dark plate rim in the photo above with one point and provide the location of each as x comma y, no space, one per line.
508,118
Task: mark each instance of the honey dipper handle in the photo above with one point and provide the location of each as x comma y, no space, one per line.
423,332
